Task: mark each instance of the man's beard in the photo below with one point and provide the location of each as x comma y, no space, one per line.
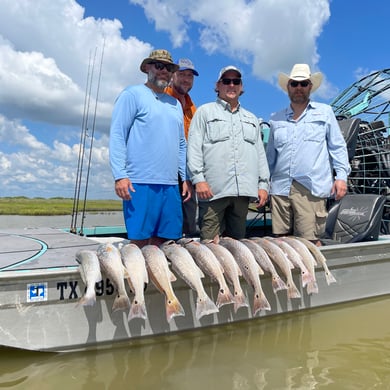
161,84
182,90
299,98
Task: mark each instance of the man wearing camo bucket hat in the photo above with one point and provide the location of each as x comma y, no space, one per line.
304,149
147,151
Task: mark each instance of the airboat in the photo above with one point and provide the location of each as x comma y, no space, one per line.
41,286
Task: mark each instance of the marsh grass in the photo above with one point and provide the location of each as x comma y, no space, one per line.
53,206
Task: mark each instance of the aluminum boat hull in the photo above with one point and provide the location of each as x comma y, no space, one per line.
40,287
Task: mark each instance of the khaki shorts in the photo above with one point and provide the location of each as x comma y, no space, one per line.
300,214
223,216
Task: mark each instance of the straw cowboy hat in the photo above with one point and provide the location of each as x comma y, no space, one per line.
300,72
159,55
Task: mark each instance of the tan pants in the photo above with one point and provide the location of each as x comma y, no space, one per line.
300,214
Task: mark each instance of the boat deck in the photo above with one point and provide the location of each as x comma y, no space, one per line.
42,249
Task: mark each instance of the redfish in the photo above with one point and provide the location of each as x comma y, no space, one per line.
209,264
162,277
250,270
134,262
184,265
111,264
266,264
89,269
278,257
232,272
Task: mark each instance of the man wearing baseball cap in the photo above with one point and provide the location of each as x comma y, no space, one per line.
179,87
304,149
226,160
147,151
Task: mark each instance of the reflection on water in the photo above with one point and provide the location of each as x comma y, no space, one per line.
114,218
343,347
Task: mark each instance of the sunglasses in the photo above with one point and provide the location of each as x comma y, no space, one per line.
229,81
303,83
162,65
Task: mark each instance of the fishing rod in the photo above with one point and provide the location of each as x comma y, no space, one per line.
91,145
83,137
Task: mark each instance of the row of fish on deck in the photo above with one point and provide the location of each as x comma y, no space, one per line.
224,260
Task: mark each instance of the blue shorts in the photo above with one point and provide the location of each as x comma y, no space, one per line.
154,211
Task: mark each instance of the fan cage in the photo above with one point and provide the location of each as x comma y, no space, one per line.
369,100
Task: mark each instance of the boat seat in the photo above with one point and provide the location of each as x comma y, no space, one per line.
259,220
355,218
350,130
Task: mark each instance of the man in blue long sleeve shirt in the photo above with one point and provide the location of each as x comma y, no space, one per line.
304,149
147,151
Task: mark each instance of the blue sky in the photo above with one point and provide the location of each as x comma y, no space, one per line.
47,47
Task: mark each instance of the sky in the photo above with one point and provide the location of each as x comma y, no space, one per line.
63,63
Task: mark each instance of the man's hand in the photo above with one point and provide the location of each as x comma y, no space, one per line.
203,190
123,187
187,190
263,198
339,189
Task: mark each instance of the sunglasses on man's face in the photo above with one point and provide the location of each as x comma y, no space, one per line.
226,81
162,65
303,83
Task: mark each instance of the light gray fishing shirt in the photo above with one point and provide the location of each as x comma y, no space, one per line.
225,149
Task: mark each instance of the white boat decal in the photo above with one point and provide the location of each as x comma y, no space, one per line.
37,292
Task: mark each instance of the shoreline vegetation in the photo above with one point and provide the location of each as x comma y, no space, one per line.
21,205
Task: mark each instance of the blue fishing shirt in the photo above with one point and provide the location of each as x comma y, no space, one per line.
147,143
307,150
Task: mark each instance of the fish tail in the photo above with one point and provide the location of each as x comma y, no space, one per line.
137,310
312,287
121,302
307,278
225,297
204,306
173,308
329,277
239,300
292,290
88,299
260,302
278,283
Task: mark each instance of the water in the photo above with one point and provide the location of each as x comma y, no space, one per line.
61,221
341,347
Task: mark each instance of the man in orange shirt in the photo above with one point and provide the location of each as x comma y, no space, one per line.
179,87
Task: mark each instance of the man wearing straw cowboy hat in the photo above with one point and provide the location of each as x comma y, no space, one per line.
147,151
305,149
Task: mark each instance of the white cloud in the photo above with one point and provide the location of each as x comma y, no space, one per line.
14,133
44,71
49,170
270,34
47,49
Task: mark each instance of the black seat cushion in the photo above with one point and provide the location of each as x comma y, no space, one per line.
355,218
350,130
